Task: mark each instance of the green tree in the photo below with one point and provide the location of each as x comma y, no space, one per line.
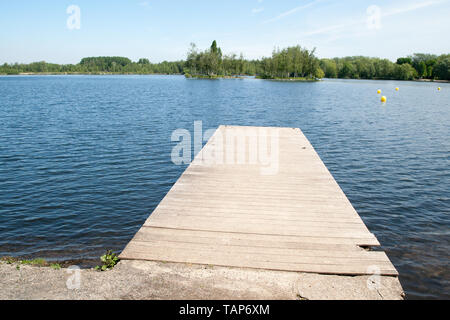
144,61
348,70
319,74
404,60
422,69
422,63
404,72
441,69
329,67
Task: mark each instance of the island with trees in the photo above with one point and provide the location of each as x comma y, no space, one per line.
292,63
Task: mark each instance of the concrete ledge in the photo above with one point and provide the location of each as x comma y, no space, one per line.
159,280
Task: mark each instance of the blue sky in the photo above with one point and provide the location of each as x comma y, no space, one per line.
162,30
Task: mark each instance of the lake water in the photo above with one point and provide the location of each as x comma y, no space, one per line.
85,159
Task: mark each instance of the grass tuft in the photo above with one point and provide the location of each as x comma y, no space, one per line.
109,260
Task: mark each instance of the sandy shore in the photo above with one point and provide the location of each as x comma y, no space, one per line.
158,280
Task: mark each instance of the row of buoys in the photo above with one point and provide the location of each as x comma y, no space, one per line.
384,99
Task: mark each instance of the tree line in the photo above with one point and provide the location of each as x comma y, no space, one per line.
97,65
289,63
416,66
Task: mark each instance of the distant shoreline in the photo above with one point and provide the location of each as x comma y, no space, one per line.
214,77
87,74
289,79
201,77
430,80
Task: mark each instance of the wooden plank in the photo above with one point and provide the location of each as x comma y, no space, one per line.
345,267
309,211
272,254
369,241
245,239
264,218
273,205
254,226
230,214
257,229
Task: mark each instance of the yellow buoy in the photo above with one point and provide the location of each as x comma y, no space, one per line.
396,89
379,91
439,88
383,99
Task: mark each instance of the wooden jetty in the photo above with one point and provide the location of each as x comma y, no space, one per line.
235,214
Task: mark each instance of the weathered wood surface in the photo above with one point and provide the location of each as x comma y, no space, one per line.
295,218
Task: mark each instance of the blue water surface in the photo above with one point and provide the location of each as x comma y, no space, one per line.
85,159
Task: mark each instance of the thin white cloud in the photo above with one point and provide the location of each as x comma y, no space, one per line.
412,7
294,10
144,4
388,13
